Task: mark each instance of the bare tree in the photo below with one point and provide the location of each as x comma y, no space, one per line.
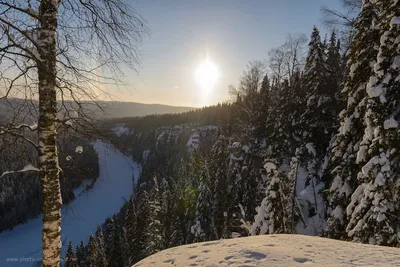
344,21
288,58
247,92
58,55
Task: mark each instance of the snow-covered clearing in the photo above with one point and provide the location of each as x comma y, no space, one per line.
22,245
275,250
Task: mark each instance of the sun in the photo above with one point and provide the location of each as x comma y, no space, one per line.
206,76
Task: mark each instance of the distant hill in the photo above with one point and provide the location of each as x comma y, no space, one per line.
114,109
109,109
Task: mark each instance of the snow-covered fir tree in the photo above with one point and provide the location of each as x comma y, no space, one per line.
70,258
130,227
335,67
280,120
203,228
101,260
114,251
346,155
315,129
375,205
253,184
318,119
154,231
92,251
220,186
81,255
275,211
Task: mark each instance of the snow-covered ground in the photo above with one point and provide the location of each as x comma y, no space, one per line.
22,245
275,250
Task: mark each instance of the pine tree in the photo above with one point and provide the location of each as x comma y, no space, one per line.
253,186
141,226
92,251
346,157
154,231
315,125
375,206
81,255
204,228
334,63
262,109
114,252
130,227
274,214
101,260
218,170
277,121
320,112
70,258
168,209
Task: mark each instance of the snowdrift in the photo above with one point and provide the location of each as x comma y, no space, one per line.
275,250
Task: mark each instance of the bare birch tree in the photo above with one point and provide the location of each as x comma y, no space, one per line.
288,58
342,21
57,55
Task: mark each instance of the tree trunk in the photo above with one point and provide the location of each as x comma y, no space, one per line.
48,156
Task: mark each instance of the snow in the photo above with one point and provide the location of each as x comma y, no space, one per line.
346,127
269,166
311,149
367,167
145,154
194,140
361,154
236,145
245,148
390,123
27,168
375,91
275,250
120,129
81,216
395,21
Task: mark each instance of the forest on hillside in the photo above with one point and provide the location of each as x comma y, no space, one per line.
309,147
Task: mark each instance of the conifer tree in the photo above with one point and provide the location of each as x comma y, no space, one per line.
203,228
114,251
81,255
70,257
318,121
375,206
334,62
101,260
141,226
92,251
262,109
276,208
346,157
154,231
130,226
218,170
253,186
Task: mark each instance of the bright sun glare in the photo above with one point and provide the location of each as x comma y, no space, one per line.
206,76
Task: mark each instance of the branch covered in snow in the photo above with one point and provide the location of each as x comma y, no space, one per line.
27,168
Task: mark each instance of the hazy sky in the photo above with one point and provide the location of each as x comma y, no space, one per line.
233,32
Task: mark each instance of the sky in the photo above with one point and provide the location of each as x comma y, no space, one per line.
230,32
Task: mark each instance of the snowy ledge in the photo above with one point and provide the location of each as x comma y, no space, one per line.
275,250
